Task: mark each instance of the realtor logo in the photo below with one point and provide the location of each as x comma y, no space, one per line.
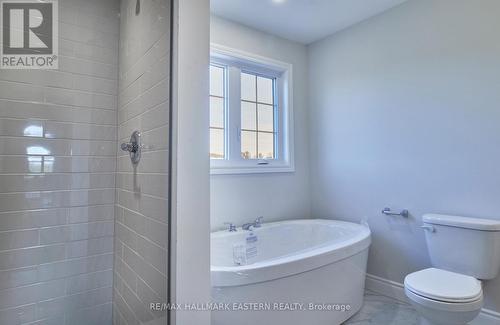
29,34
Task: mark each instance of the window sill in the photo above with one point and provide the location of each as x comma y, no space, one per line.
235,170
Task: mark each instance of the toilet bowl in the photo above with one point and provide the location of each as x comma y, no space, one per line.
444,298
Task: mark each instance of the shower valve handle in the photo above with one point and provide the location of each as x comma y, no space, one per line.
130,147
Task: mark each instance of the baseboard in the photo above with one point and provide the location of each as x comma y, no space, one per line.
396,290
386,287
487,317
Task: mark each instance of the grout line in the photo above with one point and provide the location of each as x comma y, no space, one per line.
60,191
44,138
140,235
60,173
57,122
140,214
20,101
143,194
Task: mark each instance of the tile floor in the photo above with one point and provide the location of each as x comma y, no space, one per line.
382,310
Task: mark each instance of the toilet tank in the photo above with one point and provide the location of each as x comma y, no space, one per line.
464,245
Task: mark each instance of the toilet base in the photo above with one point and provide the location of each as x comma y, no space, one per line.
436,317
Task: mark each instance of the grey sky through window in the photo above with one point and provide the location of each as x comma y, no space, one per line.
217,102
257,117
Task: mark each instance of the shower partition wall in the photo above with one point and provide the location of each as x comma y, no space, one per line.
57,164
140,275
60,208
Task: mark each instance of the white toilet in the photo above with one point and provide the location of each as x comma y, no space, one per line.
462,250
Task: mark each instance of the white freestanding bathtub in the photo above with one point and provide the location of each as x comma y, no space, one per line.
305,272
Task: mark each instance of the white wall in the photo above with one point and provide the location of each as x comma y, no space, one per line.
141,211
405,114
57,165
242,198
190,161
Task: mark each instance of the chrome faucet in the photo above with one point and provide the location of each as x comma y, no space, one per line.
247,226
256,224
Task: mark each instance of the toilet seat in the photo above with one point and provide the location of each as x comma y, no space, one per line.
450,307
444,286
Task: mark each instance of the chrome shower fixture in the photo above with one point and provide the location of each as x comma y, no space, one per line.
133,147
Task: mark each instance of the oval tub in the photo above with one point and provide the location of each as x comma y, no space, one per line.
305,272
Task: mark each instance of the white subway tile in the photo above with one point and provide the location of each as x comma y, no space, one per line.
152,254
80,164
76,266
74,303
49,182
20,92
57,163
126,273
89,247
56,320
31,256
18,277
89,68
18,239
96,85
56,147
96,315
75,232
89,281
32,219
125,235
18,315
54,199
150,275
32,293
124,309
91,214
13,109
64,196
151,207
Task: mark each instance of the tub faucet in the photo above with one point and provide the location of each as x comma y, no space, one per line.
247,226
258,222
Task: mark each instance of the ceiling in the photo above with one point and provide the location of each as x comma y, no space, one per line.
303,21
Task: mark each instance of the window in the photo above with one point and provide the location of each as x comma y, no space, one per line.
217,111
258,134
250,113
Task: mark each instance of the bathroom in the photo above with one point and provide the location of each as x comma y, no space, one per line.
238,162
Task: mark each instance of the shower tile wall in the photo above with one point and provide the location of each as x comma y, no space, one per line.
142,192
57,184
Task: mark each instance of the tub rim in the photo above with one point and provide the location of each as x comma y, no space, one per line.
296,262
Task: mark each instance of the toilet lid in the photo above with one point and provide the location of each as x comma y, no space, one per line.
444,285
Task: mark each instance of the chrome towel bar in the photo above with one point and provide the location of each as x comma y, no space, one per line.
403,213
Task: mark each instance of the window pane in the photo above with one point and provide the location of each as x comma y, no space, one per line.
266,118
248,116
249,145
216,112
266,145
216,143
265,90
216,81
248,87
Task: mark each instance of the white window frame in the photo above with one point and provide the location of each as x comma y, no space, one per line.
236,61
